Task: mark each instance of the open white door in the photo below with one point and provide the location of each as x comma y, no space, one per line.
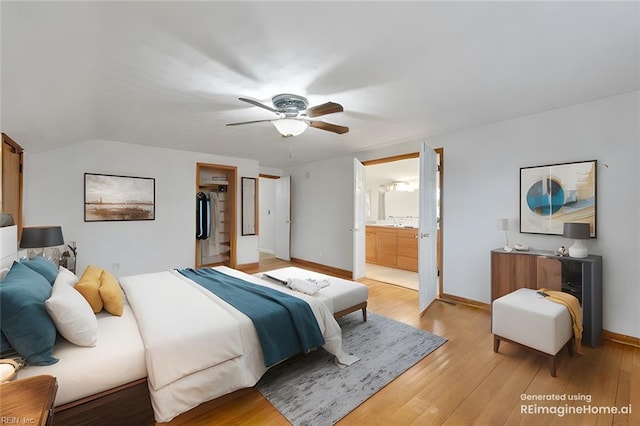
427,266
283,217
359,219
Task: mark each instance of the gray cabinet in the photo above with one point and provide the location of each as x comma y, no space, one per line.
535,269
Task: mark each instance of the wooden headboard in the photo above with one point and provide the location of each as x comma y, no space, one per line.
8,245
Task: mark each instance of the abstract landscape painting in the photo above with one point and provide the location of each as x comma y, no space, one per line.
118,198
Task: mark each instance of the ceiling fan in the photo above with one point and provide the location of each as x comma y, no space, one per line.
295,115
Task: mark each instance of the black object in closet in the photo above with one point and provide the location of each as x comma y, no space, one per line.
203,216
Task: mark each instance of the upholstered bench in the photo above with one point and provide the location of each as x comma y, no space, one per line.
526,318
341,296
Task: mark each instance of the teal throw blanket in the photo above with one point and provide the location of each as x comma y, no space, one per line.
285,324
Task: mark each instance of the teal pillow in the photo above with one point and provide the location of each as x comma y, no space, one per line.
23,316
43,266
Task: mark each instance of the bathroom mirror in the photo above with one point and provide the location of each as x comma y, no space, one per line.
249,206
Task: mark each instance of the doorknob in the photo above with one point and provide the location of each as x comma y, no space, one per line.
355,229
424,235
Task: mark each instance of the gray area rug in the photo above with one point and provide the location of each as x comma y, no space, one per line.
312,390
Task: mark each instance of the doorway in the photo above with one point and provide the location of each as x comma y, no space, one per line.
274,212
392,206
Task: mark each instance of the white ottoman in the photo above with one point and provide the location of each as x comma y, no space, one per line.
341,296
526,318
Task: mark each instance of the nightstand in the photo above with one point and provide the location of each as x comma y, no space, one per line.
28,401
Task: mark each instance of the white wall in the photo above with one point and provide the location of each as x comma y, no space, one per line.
267,211
54,194
481,184
322,212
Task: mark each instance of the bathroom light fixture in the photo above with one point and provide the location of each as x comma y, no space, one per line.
577,231
289,127
396,186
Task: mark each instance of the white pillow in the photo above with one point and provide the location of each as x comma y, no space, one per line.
3,273
71,312
67,276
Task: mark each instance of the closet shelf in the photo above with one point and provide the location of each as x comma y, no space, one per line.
212,184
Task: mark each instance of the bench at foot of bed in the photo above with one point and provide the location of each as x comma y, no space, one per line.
344,312
341,296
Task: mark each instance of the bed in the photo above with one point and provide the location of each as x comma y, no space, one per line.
162,357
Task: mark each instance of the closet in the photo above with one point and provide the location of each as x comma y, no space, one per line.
215,202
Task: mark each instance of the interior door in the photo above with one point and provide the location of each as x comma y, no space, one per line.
283,217
359,219
427,265
12,180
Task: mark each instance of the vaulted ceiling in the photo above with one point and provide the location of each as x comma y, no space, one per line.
169,74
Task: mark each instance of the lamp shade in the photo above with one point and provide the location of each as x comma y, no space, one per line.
41,236
289,126
6,219
577,231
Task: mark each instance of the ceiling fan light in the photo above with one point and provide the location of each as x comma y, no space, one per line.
289,126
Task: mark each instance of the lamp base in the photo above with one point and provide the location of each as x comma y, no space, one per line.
578,250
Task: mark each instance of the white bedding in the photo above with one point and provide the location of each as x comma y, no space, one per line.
208,366
181,330
117,359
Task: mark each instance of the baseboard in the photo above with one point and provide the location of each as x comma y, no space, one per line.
329,270
621,338
464,301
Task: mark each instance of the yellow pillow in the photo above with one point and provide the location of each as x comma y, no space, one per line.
111,294
89,287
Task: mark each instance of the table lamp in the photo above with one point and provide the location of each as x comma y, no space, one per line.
503,225
577,231
41,237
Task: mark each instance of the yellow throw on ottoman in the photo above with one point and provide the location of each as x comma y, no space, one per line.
524,317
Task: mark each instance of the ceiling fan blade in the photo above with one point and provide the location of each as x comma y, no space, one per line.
258,104
328,127
324,109
247,122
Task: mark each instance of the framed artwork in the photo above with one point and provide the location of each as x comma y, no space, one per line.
249,206
118,198
554,194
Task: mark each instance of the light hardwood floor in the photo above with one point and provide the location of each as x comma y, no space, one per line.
464,382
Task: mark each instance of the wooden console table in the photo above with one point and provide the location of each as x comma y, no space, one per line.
535,269
28,401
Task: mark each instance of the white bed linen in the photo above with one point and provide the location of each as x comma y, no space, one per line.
182,332
236,373
117,359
